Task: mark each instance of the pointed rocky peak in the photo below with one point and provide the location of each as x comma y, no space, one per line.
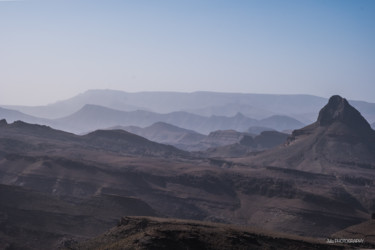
3,123
338,109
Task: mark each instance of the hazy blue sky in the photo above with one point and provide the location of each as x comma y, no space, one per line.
52,50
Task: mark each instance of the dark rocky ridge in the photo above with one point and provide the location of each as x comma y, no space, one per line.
339,110
339,121
3,122
37,136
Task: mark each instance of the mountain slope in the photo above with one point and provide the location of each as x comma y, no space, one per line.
33,220
14,115
364,230
128,143
166,133
156,233
18,136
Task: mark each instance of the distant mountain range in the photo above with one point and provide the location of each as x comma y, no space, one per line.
14,115
304,108
203,112
92,117
192,141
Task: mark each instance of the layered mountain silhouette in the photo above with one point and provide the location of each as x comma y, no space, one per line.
19,136
14,115
190,140
202,112
92,117
258,106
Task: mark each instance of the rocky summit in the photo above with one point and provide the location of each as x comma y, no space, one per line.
338,109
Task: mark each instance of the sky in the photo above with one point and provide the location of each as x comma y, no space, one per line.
54,49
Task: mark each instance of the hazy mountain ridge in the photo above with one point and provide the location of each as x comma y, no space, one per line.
259,106
160,102
167,134
222,111
14,115
92,117
192,141
119,141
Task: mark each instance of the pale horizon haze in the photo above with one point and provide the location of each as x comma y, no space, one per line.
53,50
